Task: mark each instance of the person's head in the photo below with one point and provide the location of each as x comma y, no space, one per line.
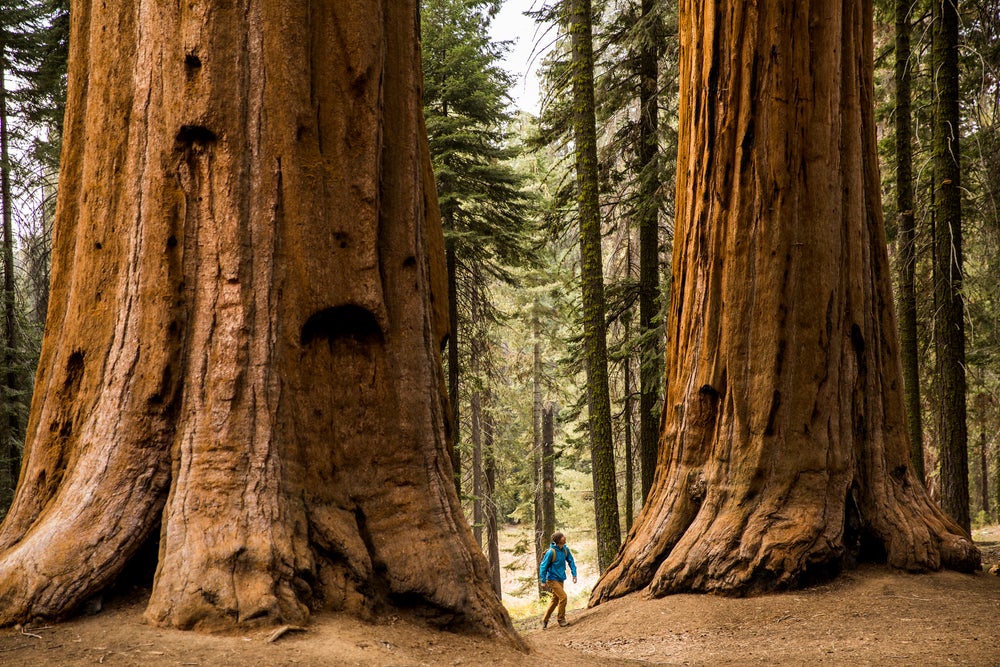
558,539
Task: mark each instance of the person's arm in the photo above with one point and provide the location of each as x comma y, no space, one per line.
572,563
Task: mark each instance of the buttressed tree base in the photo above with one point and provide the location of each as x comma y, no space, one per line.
784,450
248,303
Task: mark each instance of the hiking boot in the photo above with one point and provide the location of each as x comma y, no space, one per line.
563,622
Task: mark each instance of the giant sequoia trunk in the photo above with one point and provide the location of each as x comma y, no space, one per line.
784,452
249,297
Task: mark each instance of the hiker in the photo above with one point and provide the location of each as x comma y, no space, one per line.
552,574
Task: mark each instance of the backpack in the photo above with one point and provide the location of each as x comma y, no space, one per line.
550,554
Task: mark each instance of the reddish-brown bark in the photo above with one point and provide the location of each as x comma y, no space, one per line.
249,299
784,452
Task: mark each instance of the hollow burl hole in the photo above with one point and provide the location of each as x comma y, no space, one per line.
861,543
348,322
139,570
195,134
74,370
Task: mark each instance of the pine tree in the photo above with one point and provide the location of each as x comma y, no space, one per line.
23,35
9,458
631,49
979,68
949,324
979,136
637,63
592,280
906,260
649,245
483,206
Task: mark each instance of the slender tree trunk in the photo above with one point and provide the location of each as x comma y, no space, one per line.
996,480
536,427
476,415
627,420
451,262
490,485
592,279
651,356
627,408
949,324
10,431
548,473
785,454
984,476
41,266
906,255
454,398
248,308
477,354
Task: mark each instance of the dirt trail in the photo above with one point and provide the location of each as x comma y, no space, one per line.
871,616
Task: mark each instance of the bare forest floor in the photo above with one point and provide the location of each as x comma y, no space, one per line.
870,616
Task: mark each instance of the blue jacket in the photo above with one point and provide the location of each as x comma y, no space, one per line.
553,567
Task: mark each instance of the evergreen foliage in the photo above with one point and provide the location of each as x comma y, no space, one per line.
637,84
637,148
979,111
468,125
486,211
33,41
580,27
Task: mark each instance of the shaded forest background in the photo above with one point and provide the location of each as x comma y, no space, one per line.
517,362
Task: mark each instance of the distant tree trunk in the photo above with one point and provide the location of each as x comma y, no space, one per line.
492,525
627,420
454,371
476,415
548,473
949,324
536,425
248,307
996,480
10,454
651,355
906,255
40,254
785,453
983,408
628,402
592,279
451,261
477,354
984,476
548,491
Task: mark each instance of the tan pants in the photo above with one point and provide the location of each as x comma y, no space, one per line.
558,598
